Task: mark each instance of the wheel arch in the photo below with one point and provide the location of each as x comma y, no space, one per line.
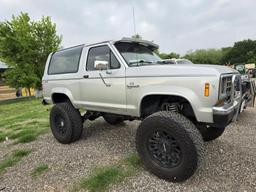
155,99
60,95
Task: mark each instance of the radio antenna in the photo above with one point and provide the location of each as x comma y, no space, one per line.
134,25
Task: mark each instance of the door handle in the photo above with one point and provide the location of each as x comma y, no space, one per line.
86,76
107,84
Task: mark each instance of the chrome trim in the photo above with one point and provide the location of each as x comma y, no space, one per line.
233,88
225,109
145,76
234,101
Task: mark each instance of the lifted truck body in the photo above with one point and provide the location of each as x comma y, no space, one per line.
180,105
125,88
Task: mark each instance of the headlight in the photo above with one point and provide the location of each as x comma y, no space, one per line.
225,88
230,87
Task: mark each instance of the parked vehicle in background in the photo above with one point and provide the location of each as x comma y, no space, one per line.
177,61
180,106
248,91
240,68
252,73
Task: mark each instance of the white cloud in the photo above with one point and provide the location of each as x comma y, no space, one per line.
175,25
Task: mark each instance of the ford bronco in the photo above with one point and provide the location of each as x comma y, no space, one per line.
180,106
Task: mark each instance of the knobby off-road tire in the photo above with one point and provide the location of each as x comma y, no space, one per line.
66,123
170,146
113,119
210,133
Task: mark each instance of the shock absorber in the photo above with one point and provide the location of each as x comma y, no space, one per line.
174,107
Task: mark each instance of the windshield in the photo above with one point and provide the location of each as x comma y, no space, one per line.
136,54
184,61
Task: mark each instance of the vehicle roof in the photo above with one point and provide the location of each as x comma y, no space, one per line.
149,44
130,40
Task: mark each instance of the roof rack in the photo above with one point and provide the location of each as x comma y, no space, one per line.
149,44
139,41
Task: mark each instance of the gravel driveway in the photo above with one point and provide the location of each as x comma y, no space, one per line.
229,165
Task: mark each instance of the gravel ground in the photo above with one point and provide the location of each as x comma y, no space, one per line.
229,164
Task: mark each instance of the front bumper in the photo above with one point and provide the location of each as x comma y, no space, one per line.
223,115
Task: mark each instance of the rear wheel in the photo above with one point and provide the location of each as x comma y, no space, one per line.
169,145
113,119
210,133
66,122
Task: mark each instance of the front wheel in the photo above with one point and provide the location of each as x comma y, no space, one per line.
66,122
169,145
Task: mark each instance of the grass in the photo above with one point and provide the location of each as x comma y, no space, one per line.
12,159
26,138
23,121
102,178
40,169
2,136
132,160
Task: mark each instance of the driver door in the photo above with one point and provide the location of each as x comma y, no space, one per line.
103,85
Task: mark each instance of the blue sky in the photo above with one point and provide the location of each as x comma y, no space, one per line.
176,25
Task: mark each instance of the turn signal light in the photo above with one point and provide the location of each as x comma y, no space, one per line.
206,89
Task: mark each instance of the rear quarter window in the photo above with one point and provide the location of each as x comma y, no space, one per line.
65,61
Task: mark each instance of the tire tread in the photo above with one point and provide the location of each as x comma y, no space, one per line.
189,127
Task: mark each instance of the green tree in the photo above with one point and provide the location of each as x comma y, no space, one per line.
241,52
24,46
205,56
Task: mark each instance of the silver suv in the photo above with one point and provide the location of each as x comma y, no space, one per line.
180,106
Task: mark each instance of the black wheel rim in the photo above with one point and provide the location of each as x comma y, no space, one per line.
60,125
164,149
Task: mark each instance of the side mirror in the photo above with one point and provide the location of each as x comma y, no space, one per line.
101,65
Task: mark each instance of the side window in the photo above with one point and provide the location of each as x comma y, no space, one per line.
98,58
65,61
101,58
114,63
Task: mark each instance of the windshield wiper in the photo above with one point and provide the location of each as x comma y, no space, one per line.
164,62
139,62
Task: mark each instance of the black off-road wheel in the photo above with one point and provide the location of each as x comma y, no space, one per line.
210,133
66,123
113,119
170,146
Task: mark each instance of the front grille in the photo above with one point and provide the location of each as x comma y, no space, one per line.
230,87
226,88
237,86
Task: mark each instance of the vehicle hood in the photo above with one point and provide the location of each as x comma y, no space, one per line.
179,70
